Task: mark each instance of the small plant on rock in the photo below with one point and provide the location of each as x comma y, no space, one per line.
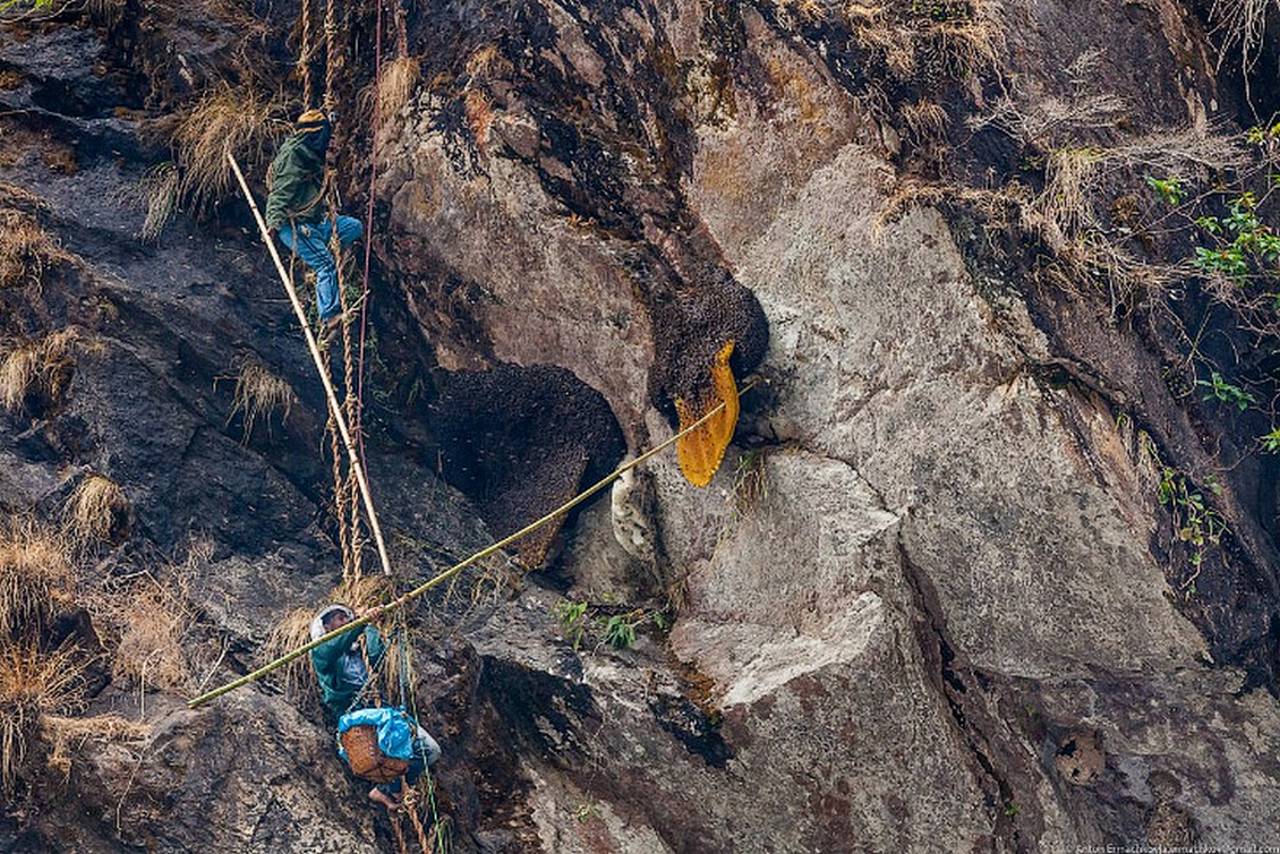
573,621
1228,393
1195,522
750,482
620,631
1243,245
1168,189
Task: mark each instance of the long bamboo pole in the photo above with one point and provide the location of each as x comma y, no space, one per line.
452,571
320,368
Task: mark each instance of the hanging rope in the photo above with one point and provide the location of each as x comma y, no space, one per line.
351,519
402,29
368,224
400,843
304,55
333,55
340,494
453,571
409,700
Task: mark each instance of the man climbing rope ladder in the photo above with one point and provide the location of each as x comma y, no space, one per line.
295,211
379,743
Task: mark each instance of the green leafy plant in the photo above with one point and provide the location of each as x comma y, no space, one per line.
1195,522
620,632
1271,442
586,811
24,5
1253,248
1258,135
1225,392
1169,189
573,621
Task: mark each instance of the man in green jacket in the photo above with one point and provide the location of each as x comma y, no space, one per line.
295,210
339,664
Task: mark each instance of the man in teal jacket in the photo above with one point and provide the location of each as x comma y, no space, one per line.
339,664
340,667
296,210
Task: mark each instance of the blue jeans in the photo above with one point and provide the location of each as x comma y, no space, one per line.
311,242
425,752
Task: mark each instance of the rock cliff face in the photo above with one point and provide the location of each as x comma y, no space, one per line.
982,570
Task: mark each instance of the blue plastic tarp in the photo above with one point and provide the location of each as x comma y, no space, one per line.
395,730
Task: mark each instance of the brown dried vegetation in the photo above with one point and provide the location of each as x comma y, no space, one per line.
37,366
97,512
27,250
259,393
239,121
33,685
36,576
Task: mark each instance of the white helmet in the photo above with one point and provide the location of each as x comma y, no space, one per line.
317,625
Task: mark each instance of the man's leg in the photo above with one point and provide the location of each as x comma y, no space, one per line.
311,242
349,230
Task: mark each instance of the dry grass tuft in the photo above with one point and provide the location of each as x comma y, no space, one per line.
486,61
925,119
1065,207
363,591
287,635
160,188
1070,215
237,121
153,626
1053,122
63,734
26,249
45,365
1068,218
951,38
258,394
35,576
32,685
399,78
18,373
1243,22
98,511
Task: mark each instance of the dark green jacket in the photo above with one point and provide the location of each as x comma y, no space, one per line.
297,184
333,667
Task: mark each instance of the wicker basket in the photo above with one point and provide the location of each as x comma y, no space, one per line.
366,759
